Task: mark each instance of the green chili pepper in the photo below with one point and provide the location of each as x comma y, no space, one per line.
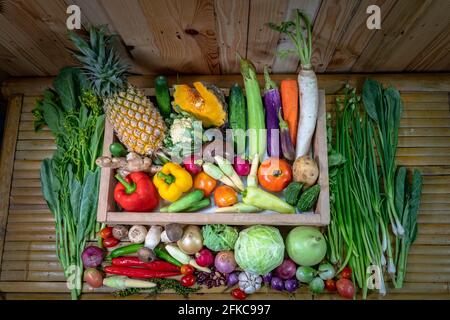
162,253
130,249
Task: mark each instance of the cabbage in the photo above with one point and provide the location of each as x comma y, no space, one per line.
259,249
219,237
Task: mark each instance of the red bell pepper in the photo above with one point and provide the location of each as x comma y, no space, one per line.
136,192
140,273
158,265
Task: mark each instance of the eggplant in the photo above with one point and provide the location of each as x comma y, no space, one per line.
287,147
272,103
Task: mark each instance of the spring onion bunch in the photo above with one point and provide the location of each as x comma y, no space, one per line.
368,192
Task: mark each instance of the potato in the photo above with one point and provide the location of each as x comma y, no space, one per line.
305,171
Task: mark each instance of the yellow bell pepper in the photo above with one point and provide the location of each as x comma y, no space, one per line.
172,181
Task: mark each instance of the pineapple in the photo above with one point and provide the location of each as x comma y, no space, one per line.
136,121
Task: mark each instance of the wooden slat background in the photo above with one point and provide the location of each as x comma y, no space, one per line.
203,36
29,267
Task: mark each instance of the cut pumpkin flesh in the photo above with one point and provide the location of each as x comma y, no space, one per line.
205,102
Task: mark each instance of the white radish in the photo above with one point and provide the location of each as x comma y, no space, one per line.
309,105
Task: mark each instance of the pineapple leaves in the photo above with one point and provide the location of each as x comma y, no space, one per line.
102,65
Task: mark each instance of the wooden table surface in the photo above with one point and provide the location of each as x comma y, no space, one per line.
29,267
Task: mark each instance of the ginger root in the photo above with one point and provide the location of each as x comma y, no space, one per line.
132,163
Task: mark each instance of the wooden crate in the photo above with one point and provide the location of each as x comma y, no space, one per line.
108,213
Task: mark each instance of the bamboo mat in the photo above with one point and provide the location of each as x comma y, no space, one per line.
30,270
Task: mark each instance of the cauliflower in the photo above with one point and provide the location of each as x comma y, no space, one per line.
180,131
185,135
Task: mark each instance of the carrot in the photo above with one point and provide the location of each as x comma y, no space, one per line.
289,102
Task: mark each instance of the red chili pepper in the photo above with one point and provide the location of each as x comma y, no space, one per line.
136,192
110,242
139,272
238,294
158,265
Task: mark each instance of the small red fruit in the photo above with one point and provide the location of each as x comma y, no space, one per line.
330,285
187,269
238,294
188,280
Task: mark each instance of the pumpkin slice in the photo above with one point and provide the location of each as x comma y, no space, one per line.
206,102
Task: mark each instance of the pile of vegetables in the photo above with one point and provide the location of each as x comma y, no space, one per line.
185,258
70,179
198,169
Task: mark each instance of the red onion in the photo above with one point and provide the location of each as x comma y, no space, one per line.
192,164
232,279
241,166
267,277
277,284
92,257
225,262
290,285
204,258
286,270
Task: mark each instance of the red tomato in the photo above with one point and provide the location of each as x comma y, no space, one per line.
274,174
238,294
188,280
345,288
110,242
346,273
187,269
106,232
330,285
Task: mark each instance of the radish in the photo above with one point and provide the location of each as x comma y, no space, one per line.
307,80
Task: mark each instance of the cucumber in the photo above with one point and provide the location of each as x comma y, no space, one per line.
292,192
238,118
308,198
163,96
185,202
199,205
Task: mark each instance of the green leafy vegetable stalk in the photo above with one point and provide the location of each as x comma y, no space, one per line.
70,179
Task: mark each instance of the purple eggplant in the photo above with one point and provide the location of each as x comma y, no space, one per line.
272,103
286,143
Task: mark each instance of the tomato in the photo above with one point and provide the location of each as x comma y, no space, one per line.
110,242
345,288
204,182
188,280
106,232
225,196
274,174
238,294
330,285
346,273
187,269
